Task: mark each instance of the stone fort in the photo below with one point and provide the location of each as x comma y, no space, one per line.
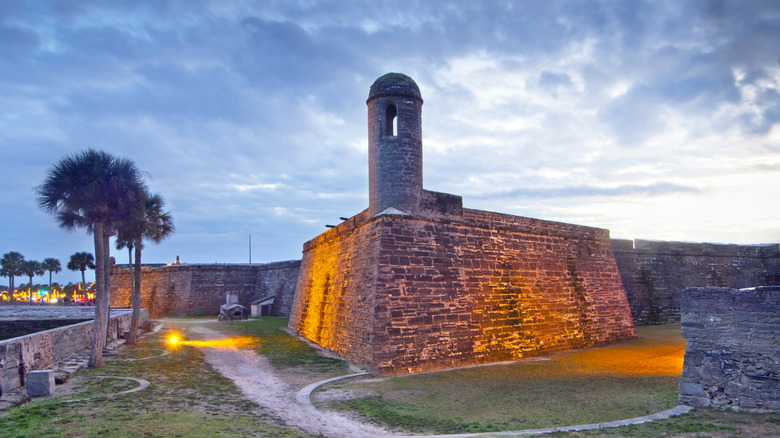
417,282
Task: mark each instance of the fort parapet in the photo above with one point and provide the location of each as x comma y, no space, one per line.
401,294
199,289
655,273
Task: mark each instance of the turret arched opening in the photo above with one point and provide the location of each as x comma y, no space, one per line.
390,120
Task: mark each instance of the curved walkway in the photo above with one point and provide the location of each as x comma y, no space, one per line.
164,353
258,381
142,384
304,397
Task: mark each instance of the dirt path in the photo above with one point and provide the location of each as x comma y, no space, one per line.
259,382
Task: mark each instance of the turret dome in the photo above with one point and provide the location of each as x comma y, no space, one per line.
394,84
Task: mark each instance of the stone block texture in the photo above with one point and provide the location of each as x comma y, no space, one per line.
40,383
402,294
733,354
200,289
654,273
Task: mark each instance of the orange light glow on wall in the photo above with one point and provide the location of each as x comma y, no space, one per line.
319,316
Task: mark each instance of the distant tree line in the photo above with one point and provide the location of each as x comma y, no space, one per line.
13,264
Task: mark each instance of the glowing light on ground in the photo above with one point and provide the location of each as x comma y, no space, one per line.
232,343
659,351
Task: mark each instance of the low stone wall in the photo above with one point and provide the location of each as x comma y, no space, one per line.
40,351
654,273
733,354
199,289
15,329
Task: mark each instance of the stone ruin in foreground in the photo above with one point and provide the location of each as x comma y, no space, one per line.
416,282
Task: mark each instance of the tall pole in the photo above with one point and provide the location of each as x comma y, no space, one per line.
250,249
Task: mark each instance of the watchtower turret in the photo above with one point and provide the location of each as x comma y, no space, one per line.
394,144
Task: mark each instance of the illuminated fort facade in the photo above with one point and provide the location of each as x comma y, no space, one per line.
416,282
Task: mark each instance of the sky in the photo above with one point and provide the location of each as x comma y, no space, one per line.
657,120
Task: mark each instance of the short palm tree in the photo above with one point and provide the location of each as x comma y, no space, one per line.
81,261
92,189
31,268
11,266
149,222
51,265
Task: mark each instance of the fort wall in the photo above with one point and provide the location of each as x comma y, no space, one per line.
400,294
199,289
654,273
732,358
334,302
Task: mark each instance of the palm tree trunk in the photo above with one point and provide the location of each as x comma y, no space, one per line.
135,296
107,282
83,279
31,299
96,354
130,335
131,267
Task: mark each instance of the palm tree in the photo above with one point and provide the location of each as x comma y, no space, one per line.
52,266
81,261
129,232
91,189
149,222
31,268
11,266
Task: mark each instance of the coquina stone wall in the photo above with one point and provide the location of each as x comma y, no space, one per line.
199,289
41,350
654,273
401,294
733,354
14,329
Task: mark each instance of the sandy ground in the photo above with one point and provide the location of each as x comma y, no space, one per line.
259,382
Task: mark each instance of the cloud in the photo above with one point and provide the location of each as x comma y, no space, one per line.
584,191
250,117
17,41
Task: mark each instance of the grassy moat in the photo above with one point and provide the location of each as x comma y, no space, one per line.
187,397
626,380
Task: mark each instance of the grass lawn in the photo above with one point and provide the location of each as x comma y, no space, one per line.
285,351
626,380
187,398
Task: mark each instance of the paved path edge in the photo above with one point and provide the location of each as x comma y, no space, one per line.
304,395
142,384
